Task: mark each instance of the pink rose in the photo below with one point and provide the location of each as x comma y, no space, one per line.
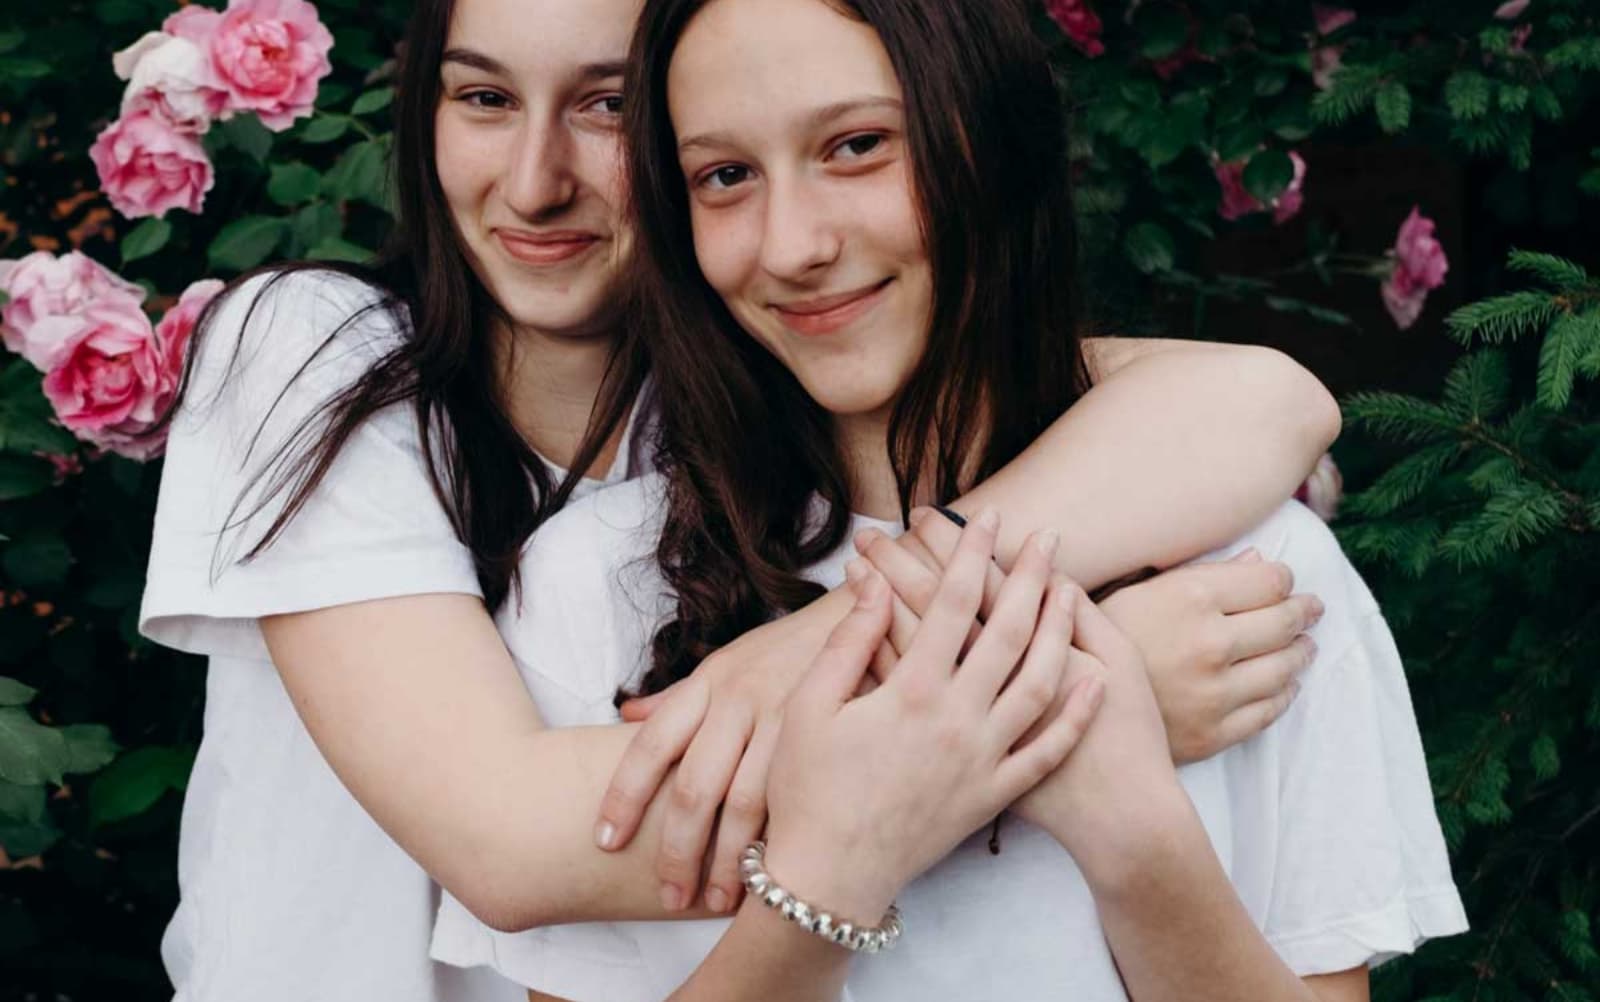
1323,490
147,167
1325,62
1331,19
1519,37
45,292
109,382
1236,201
1419,267
1511,10
1080,24
170,77
177,324
268,55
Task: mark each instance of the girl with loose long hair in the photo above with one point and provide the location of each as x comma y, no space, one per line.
361,454
851,221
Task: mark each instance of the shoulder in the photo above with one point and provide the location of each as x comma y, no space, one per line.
295,313
612,526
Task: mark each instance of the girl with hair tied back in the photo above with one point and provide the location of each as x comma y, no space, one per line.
851,218
362,453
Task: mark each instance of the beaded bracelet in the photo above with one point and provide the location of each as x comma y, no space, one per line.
862,939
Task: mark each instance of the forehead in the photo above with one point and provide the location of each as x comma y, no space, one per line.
544,35
763,57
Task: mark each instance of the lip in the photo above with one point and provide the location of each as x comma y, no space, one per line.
546,248
826,314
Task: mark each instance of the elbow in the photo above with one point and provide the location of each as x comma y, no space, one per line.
503,905
1298,403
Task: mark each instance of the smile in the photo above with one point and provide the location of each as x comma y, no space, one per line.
813,317
545,248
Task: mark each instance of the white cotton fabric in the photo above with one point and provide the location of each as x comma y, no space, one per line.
1324,823
289,890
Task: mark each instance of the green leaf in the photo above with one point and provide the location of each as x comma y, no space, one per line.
1403,482
1239,141
1578,53
1270,82
89,747
21,804
1162,29
245,243
337,249
1548,268
324,128
145,239
293,183
11,40
121,11
30,752
23,68
1150,247
1467,94
133,783
1545,757
23,476
22,841
246,134
37,561
313,224
1477,386
1268,174
1501,318
1393,105
14,693
1570,337
372,100
361,173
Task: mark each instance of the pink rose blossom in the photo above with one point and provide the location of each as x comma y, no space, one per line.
1511,10
170,77
1080,24
1323,490
1519,37
1420,266
109,382
1331,19
268,55
147,167
1326,60
45,292
62,467
177,324
1237,202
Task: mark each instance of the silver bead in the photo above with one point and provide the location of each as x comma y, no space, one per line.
758,883
823,926
748,866
844,932
775,896
872,941
787,908
802,915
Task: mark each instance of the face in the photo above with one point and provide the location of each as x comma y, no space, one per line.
792,142
529,154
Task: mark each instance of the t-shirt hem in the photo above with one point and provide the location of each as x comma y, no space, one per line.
1374,937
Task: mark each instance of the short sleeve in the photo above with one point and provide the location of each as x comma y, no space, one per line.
278,350
1346,862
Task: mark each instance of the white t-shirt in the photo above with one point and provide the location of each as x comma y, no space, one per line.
289,890
1324,823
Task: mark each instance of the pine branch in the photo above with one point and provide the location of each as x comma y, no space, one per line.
1502,318
1548,268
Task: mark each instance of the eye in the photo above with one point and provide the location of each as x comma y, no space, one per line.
487,100
609,105
861,145
724,177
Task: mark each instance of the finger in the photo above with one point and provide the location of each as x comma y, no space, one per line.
1253,718
651,752
837,670
1240,585
914,582
1095,634
884,660
1026,767
1017,619
1274,627
932,540
1031,693
1265,676
744,813
902,620
696,792
1246,556
950,616
639,709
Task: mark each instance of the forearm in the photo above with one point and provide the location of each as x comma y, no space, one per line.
762,958
1176,451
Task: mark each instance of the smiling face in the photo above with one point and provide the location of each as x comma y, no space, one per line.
791,138
529,154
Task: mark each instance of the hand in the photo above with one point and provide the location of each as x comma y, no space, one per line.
721,722
940,739
1223,644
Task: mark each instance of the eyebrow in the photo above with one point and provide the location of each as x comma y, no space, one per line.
488,64
814,119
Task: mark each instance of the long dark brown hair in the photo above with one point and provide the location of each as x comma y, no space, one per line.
489,480
745,449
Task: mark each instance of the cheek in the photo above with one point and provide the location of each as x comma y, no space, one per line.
466,158
726,244
604,171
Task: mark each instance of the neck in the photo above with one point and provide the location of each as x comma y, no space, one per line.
865,441
552,383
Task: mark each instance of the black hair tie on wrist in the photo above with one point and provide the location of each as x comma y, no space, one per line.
955,517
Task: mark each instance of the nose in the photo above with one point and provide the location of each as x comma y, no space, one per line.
541,178
799,237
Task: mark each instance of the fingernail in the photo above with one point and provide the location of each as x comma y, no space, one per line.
1250,556
717,900
671,897
1317,609
1294,689
1047,543
988,519
605,835
916,516
855,570
865,538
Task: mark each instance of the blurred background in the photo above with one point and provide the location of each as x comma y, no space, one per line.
1403,196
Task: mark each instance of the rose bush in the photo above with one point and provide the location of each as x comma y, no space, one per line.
1334,182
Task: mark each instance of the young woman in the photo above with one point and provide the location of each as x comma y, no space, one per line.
850,214
360,456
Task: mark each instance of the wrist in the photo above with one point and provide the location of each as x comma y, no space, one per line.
832,879
1121,839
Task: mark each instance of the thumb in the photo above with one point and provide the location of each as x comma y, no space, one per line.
837,672
640,708
1249,556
